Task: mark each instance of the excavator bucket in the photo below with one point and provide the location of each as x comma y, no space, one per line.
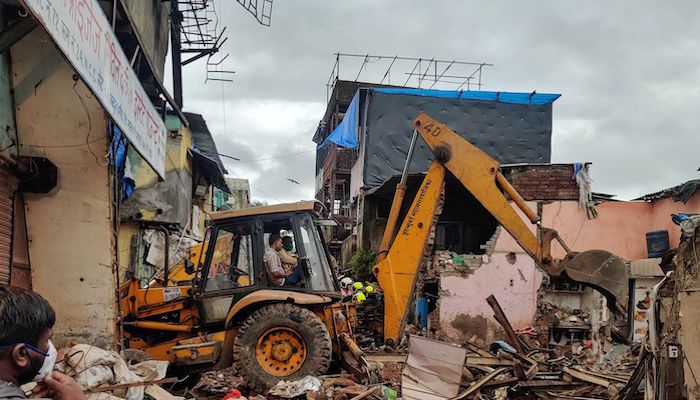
602,271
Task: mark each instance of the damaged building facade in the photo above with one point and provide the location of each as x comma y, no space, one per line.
363,142
95,152
178,204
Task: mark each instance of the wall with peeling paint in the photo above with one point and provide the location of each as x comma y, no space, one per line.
70,243
169,200
619,228
463,308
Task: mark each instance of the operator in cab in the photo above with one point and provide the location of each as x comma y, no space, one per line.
26,351
273,265
289,259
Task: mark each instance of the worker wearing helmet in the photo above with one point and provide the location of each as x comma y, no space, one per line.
346,287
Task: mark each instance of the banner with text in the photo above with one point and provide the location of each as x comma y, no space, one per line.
83,33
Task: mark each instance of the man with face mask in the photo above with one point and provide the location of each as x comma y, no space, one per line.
26,351
288,258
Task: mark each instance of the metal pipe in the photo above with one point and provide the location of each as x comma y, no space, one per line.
175,20
517,198
399,194
159,326
409,157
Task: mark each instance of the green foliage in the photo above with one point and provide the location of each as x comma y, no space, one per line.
258,203
361,264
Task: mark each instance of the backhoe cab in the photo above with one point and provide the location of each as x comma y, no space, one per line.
224,308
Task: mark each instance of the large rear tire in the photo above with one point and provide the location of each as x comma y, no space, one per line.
281,342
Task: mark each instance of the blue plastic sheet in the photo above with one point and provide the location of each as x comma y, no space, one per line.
345,134
502,97
117,157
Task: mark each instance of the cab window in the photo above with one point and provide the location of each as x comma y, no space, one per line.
318,269
231,264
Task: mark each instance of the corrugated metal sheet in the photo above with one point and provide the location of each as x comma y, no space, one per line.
646,267
8,188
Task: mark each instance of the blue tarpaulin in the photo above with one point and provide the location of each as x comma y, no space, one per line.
345,134
533,98
118,158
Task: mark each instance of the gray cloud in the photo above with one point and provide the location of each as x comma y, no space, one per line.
628,72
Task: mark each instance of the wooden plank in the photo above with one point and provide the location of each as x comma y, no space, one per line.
129,385
159,393
548,384
473,388
600,375
497,361
501,318
582,376
366,393
400,358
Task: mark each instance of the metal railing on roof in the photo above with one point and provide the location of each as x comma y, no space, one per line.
427,73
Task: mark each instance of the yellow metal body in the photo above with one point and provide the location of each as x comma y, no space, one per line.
398,271
190,344
480,173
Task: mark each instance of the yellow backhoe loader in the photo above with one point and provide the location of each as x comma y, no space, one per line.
220,308
402,249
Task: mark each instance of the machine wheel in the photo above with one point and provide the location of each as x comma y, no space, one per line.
281,342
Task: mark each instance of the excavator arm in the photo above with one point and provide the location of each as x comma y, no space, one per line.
401,251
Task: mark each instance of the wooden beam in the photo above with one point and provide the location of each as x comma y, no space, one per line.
15,32
501,318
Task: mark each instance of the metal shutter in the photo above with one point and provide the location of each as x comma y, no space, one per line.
8,188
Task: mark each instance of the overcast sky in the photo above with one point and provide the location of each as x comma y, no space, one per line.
628,72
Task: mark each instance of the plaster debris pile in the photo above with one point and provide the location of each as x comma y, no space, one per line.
227,384
514,369
218,383
549,315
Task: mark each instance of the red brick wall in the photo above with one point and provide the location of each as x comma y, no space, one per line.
543,182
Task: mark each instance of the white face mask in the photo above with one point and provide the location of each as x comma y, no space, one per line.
47,366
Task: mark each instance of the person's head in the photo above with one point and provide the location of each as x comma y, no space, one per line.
288,243
26,323
275,242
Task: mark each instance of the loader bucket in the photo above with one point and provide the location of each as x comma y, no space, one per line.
603,271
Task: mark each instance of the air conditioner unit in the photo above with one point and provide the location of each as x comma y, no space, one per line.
200,191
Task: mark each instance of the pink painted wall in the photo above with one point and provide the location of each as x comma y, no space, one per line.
463,308
620,227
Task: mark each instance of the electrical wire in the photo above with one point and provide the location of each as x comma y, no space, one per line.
261,191
63,146
87,113
276,157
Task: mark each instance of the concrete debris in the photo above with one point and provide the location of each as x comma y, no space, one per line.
219,382
292,389
446,263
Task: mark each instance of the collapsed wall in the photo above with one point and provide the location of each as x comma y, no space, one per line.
505,271
499,266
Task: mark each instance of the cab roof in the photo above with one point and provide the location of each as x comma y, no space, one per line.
308,205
